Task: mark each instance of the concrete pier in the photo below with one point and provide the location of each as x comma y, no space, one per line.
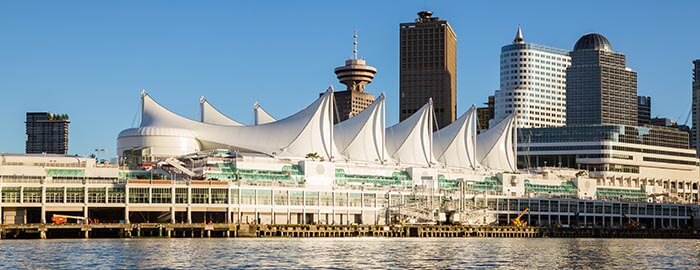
218,230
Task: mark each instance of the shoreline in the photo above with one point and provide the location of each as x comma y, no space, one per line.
232,230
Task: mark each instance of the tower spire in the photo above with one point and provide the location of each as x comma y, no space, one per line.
355,74
519,36
354,45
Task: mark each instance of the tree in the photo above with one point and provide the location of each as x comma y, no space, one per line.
313,156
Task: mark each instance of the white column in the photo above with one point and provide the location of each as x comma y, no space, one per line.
272,206
172,205
43,205
229,203
189,204
303,207
1,214
126,204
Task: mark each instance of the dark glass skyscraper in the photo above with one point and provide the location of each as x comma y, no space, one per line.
643,110
600,88
46,133
428,68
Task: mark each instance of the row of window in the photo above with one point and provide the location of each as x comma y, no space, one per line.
534,83
535,54
506,66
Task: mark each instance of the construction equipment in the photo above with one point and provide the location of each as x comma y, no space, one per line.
520,223
631,223
63,219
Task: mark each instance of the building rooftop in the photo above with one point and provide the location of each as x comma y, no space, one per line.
593,41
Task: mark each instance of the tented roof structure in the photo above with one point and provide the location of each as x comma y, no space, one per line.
261,116
455,144
411,141
210,115
308,131
495,147
361,138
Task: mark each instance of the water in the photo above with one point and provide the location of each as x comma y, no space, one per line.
358,253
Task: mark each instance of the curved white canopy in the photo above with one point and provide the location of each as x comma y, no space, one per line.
308,131
261,116
411,141
455,144
361,138
495,147
210,115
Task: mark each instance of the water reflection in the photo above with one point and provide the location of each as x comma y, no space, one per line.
360,253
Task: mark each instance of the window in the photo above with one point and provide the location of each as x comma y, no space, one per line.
200,195
265,197
341,199
181,195
161,195
116,195
54,195
311,198
138,195
219,196
247,196
370,200
97,195
296,197
75,195
355,199
32,195
326,199
280,197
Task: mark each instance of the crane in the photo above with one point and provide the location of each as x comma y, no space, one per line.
62,219
520,223
631,224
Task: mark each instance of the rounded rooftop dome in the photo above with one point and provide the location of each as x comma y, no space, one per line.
593,41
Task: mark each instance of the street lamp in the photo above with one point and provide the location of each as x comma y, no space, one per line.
97,150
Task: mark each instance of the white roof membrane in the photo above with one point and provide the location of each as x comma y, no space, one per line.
210,115
411,141
261,116
455,144
308,131
361,138
495,146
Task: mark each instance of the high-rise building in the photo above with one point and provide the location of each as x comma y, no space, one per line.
600,88
485,114
355,74
696,106
428,68
46,133
643,110
533,84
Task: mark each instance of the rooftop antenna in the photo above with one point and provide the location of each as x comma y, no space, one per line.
354,45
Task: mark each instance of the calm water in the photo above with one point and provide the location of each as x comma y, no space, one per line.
364,253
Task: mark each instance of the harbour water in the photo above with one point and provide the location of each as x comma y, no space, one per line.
357,253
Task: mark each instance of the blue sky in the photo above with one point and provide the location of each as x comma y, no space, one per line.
90,59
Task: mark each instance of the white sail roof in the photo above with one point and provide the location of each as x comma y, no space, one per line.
495,147
308,131
361,138
411,141
210,115
261,116
455,144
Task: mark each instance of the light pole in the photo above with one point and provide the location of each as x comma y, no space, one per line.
106,158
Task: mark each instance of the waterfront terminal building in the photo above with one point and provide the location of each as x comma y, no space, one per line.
303,169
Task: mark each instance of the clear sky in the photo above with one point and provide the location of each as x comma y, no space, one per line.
90,59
